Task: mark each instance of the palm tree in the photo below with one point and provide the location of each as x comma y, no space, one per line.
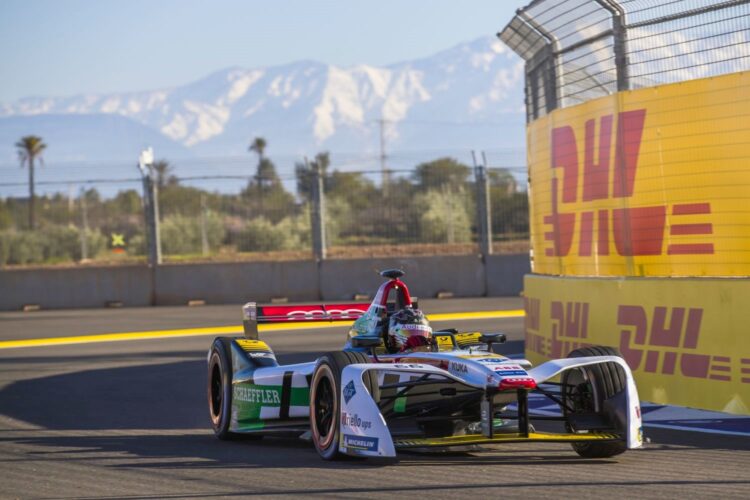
258,146
30,148
162,169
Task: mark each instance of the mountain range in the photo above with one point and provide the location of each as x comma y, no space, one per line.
467,97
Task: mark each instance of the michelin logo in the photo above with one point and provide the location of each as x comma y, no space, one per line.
361,442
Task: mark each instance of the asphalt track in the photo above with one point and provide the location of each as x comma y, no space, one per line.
128,419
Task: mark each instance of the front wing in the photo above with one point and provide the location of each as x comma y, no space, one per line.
364,431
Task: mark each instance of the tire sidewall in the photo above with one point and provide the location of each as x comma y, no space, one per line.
327,448
220,358
602,389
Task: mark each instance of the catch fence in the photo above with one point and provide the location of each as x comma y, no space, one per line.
637,136
579,50
255,213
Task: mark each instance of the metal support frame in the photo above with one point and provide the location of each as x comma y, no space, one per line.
484,216
150,206
619,35
523,412
543,73
317,213
689,13
552,80
151,215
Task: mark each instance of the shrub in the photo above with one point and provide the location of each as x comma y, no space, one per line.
60,243
182,235
444,216
96,242
50,244
260,235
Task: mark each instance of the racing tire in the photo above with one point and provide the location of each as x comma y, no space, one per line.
325,392
220,390
584,390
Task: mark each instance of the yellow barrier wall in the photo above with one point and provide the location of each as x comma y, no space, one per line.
686,340
651,182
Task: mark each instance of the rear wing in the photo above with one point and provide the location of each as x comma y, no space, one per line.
253,314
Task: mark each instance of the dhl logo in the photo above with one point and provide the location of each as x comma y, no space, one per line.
634,230
659,340
569,327
664,345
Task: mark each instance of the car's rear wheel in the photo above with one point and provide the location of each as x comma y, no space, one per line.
584,392
219,387
325,404
220,390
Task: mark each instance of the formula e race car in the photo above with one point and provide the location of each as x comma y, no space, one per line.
398,385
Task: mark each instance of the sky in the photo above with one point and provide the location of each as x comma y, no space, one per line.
68,47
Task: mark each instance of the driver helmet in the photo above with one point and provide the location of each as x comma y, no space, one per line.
408,329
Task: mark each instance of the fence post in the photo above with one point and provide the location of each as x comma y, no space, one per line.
619,45
317,213
204,231
150,206
484,217
155,239
84,225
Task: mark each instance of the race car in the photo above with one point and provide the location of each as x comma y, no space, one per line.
397,385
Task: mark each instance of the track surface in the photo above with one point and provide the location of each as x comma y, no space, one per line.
129,420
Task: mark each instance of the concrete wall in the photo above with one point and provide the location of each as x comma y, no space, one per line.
426,276
75,287
505,274
219,283
223,283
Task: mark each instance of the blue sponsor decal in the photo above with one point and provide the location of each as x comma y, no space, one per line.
490,360
361,442
511,373
349,391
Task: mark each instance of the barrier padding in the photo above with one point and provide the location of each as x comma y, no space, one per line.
686,339
649,182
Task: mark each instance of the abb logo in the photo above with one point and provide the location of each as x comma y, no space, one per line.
661,341
635,231
280,314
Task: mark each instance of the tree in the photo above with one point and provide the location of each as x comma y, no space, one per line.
263,170
163,171
440,172
502,181
258,146
30,149
266,195
266,177
304,173
359,192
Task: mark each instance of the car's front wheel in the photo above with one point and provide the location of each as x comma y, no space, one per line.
325,404
584,391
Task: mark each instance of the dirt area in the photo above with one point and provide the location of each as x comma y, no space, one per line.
335,252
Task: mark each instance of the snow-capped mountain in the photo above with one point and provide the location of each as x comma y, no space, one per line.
469,96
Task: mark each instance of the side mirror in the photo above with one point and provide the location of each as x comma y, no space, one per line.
492,338
366,342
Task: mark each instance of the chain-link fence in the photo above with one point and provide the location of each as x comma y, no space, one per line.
78,224
642,169
257,213
578,50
